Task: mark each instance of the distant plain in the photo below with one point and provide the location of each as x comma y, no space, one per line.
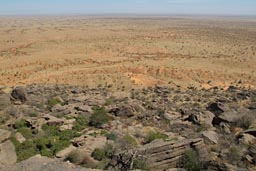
128,52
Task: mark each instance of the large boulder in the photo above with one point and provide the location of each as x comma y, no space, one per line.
226,114
7,153
246,138
88,143
65,152
61,109
19,137
4,135
84,108
18,95
39,163
211,136
123,111
53,121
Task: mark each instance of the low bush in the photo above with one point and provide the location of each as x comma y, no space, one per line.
191,161
246,121
52,102
24,150
33,114
140,164
154,135
80,123
98,154
111,136
26,132
129,139
109,101
21,123
234,154
103,153
99,117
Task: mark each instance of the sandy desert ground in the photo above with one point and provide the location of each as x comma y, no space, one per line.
126,52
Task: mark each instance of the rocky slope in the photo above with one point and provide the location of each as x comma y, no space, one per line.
48,127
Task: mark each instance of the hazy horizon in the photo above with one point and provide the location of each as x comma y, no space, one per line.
129,7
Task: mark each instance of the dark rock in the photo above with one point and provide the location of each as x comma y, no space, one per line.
252,106
193,118
123,111
250,131
217,108
19,95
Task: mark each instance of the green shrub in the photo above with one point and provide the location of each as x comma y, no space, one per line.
33,114
26,132
64,135
130,139
127,142
103,153
109,101
49,146
154,135
98,154
140,164
111,136
47,143
99,117
54,140
191,161
24,150
234,154
80,123
101,165
52,102
20,124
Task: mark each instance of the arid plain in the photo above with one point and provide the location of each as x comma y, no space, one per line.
126,52
87,93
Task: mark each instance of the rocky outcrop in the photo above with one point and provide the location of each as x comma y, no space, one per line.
39,163
160,155
4,135
216,166
7,153
211,136
226,114
123,111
